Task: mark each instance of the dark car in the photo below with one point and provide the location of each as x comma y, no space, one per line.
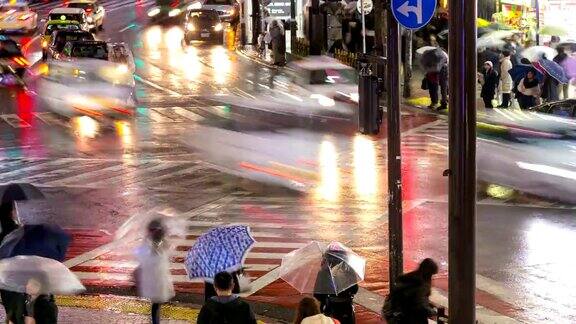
85,49
562,108
61,37
203,25
11,55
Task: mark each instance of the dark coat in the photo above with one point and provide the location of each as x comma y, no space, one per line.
550,89
339,306
411,298
43,309
560,58
226,310
490,84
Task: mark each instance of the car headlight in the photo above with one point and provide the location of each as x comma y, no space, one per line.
218,27
190,27
230,12
195,5
153,12
174,12
89,19
323,100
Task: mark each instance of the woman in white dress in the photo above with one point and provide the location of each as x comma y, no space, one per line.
153,273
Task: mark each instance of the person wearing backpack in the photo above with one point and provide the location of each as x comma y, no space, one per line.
225,307
409,301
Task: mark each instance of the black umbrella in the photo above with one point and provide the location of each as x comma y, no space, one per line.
433,60
48,241
19,191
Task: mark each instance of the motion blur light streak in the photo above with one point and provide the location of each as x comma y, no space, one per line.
153,38
193,68
85,127
124,131
563,173
329,187
173,39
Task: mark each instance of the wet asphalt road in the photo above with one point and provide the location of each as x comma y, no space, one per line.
100,176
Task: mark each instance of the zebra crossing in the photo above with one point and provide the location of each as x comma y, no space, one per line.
103,173
279,226
428,140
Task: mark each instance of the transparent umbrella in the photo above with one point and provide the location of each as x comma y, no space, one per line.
48,276
535,53
322,268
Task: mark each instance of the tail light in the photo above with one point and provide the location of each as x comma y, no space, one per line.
89,10
21,61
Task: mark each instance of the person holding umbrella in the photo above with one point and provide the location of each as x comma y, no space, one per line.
40,307
153,276
14,302
489,81
506,81
560,58
528,90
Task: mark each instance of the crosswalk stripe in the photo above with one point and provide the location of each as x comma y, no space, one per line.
187,113
125,277
121,177
15,121
39,166
45,176
172,175
82,177
173,265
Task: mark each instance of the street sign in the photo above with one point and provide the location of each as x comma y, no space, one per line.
368,6
413,14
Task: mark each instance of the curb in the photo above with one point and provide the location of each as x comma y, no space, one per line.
258,60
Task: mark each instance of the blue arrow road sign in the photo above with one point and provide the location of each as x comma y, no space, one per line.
413,14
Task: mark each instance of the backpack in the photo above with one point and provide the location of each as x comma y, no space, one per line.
217,314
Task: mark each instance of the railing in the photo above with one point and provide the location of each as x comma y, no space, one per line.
346,57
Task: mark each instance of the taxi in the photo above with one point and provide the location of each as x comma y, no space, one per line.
75,14
95,13
51,27
17,17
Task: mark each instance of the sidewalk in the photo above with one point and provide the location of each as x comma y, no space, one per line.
114,309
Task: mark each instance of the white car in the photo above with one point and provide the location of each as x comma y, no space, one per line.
95,13
17,18
98,89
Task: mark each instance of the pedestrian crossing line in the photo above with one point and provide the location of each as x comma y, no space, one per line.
132,175
187,113
15,121
12,175
172,175
68,171
82,177
50,119
173,265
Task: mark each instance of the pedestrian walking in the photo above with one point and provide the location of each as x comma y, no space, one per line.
40,308
226,307
528,90
435,81
152,275
309,313
339,306
278,41
560,58
506,82
489,81
409,301
13,302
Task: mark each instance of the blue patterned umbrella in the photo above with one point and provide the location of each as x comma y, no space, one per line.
554,70
221,249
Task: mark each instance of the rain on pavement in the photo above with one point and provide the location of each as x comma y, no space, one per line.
100,175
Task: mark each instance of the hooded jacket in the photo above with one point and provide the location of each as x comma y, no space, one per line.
226,310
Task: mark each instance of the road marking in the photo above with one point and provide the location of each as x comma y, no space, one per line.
15,121
156,86
187,113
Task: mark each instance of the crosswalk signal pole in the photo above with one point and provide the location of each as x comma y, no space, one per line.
462,162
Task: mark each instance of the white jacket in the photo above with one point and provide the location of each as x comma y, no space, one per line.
318,319
155,280
506,81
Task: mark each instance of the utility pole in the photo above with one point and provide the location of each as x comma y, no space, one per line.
462,162
394,153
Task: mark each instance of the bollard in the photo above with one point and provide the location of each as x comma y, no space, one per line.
369,117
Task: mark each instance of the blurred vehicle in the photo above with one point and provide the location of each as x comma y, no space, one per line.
120,53
9,77
99,89
52,26
84,49
95,13
562,108
11,55
17,17
324,79
61,37
228,10
165,11
75,14
203,25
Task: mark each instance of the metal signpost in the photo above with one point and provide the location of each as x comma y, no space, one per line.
462,162
411,14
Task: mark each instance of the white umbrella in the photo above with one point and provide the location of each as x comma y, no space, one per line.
535,53
425,49
136,226
46,276
495,38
